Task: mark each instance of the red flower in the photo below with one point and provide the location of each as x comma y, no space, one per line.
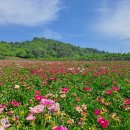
65,90
33,71
97,112
14,103
115,88
103,122
109,92
87,89
127,101
38,97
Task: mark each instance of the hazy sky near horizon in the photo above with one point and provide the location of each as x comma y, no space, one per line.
101,24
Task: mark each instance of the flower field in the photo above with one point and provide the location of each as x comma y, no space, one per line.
36,95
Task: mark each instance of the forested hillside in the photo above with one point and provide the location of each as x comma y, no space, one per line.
48,49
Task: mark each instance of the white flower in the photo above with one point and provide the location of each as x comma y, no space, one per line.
4,123
16,86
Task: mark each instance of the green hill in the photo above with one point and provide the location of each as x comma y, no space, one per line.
48,49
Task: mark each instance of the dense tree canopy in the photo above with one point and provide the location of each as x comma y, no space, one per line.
48,49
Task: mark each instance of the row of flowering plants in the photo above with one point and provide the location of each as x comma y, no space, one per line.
64,95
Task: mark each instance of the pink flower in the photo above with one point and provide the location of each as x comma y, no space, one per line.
38,97
30,117
52,78
97,112
127,101
115,88
14,103
55,107
103,122
3,106
87,89
47,102
60,128
33,71
109,92
36,109
65,90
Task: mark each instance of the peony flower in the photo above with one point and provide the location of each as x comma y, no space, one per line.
65,90
97,112
55,107
115,88
103,122
4,123
60,128
109,92
30,117
17,87
38,97
79,109
14,103
36,109
87,89
47,102
127,101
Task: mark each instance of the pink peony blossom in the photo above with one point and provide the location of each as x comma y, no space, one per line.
115,88
14,103
60,128
38,97
47,102
103,122
36,109
65,90
109,92
55,107
97,112
87,89
127,101
30,117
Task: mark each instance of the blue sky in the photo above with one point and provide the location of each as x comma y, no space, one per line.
101,24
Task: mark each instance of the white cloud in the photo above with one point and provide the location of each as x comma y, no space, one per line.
114,22
28,12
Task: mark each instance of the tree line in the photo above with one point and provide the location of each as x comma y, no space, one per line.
49,49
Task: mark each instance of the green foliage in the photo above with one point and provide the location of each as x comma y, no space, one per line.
46,49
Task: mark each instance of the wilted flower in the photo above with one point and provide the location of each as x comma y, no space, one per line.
1,110
70,121
79,109
84,107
